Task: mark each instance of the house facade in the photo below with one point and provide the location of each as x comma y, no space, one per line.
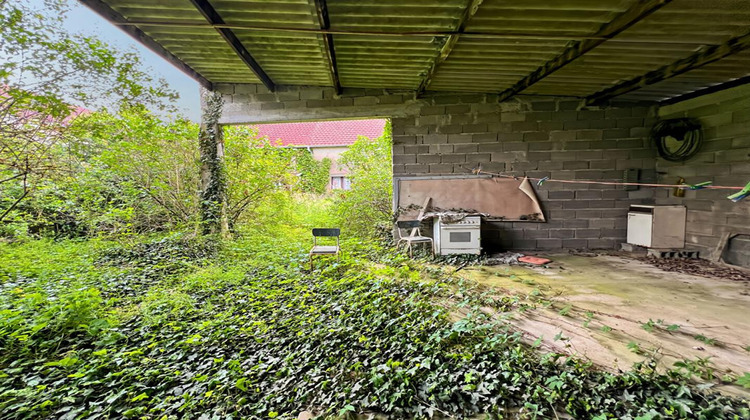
324,139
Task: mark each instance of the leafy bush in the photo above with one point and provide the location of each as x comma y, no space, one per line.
314,175
366,209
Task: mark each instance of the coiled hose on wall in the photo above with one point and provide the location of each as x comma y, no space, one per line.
686,131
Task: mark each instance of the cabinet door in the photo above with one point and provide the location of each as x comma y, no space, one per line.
639,229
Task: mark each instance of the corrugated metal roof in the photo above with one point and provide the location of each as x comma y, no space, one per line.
321,133
395,43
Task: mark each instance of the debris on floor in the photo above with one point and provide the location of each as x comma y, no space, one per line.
505,258
510,258
697,267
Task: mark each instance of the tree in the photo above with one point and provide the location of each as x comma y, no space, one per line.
43,69
367,207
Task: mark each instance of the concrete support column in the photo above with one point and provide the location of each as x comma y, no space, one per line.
213,192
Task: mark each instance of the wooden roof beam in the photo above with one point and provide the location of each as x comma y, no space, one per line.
448,43
699,59
609,30
103,10
325,24
213,17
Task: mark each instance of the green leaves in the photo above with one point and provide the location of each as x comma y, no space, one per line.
241,330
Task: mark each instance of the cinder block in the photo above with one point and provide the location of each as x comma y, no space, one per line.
535,234
549,243
484,138
434,138
576,223
427,159
247,88
588,233
495,167
602,164
630,122
453,158
524,126
457,109
515,146
575,164
474,128
366,101
589,134
539,156
576,125
588,194
441,148
405,139
404,159
464,148
536,136
562,233
562,135
440,168
416,168
589,155
512,117
602,243
575,243
561,195
415,149
577,204
271,106
450,129
478,157
295,104
432,110
391,99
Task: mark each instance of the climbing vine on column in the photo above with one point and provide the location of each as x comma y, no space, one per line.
213,193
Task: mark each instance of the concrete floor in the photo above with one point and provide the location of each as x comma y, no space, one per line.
600,305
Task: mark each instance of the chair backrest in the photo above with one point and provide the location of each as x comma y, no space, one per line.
408,224
326,232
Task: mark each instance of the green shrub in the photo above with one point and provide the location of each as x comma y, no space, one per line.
367,208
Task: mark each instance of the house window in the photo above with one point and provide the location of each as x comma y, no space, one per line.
340,183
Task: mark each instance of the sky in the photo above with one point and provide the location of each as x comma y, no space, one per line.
81,19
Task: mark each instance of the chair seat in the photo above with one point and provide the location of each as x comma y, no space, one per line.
417,239
324,249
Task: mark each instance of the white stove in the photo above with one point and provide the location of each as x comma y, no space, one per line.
457,237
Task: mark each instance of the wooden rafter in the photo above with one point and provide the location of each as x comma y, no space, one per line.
321,8
213,18
448,43
102,9
609,30
699,59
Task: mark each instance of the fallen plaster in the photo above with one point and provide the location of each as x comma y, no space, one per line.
623,294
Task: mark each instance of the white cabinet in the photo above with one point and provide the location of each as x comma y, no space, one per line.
657,226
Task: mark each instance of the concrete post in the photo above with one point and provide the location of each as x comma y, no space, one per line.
213,192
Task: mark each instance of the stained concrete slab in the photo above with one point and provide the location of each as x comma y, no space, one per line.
615,311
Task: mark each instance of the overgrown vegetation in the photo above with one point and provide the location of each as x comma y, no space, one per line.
112,305
366,209
179,327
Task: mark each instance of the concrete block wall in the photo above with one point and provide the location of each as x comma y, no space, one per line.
724,159
443,134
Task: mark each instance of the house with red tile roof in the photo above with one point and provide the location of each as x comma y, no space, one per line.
324,139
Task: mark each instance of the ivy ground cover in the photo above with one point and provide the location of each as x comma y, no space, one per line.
183,328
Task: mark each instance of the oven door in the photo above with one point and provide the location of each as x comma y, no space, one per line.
460,240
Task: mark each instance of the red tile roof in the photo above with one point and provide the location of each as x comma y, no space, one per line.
321,133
